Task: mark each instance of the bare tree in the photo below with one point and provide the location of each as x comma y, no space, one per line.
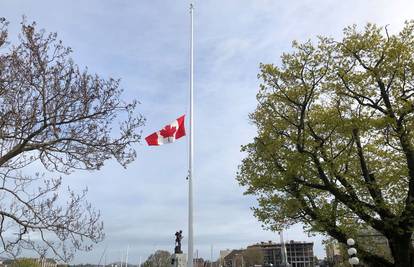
53,114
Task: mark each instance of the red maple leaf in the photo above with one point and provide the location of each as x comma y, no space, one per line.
168,131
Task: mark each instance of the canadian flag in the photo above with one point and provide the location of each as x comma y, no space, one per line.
168,134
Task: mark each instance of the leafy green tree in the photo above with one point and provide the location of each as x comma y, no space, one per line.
160,258
334,148
252,256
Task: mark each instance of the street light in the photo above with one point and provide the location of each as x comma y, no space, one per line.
350,242
353,260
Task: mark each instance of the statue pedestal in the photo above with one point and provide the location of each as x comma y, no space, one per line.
178,260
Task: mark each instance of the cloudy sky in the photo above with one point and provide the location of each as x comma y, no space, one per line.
145,43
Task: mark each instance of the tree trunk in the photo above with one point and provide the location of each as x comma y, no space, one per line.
401,250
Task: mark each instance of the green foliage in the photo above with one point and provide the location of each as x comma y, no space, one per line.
334,148
25,263
160,258
252,256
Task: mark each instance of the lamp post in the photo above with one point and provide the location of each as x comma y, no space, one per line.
353,259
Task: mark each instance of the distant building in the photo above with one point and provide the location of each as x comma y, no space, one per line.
299,254
47,263
234,258
223,253
198,262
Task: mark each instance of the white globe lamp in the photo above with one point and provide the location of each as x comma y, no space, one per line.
350,242
352,251
353,261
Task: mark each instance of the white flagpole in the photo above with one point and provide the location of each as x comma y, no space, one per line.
191,149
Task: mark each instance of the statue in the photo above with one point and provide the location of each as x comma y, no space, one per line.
178,238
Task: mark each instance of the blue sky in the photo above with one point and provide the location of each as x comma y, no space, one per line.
145,43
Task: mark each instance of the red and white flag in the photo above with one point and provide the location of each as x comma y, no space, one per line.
168,134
